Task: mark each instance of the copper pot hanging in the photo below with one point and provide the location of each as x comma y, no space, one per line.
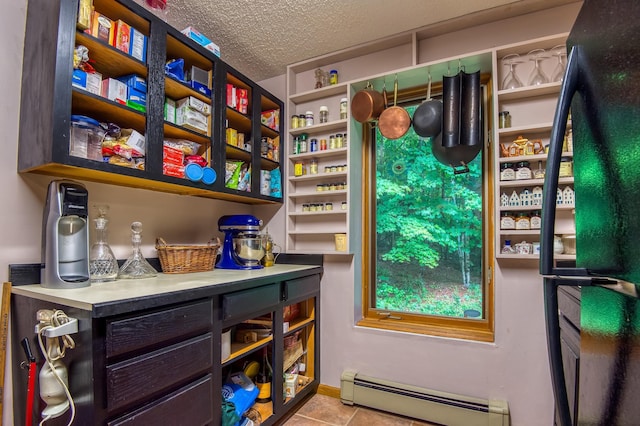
367,104
394,122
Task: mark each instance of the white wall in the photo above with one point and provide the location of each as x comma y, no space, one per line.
514,368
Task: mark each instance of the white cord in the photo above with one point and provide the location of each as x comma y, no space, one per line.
58,318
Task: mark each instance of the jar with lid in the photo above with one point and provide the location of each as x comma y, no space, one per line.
523,171
299,168
313,166
523,221
313,145
566,167
320,187
338,140
343,206
333,77
328,206
507,172
507,221
324,114
303,143
332,142
344,140
294,121
504,120
323,144
302,120
327,169
305,207
343,108
296,145
536,220
308,118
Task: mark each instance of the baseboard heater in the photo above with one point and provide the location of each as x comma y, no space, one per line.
419,403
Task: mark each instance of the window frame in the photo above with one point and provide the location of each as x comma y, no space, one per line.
461,328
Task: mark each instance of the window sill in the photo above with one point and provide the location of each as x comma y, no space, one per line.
476,330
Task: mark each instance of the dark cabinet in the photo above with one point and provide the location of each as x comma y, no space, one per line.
136,365
569,312
50,101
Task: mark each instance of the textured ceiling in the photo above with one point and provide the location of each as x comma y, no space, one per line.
261,38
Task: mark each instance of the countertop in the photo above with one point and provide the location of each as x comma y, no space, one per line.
114,297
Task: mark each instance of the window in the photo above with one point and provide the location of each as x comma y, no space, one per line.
427,245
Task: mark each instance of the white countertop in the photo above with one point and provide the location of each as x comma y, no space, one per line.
121,290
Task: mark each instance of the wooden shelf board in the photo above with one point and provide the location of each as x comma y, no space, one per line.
114,10
324,92
108,60
531,182
338,152
239,121
320,128
240,349
317,194
318,176
321,213
102,109
324,232
536,157
523,130
177,49
522,93
177,132
177,90
534,256
297,324
532,208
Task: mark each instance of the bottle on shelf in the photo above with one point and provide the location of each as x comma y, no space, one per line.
103,265
136,266
263,379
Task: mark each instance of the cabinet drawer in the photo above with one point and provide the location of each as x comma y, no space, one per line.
148,375
247,303
301,288
128,334
190,405
569,306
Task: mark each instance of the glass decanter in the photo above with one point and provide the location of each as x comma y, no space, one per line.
103,265
136,265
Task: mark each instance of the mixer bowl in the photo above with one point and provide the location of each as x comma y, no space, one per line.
248,250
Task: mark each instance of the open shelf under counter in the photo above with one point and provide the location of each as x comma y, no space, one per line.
325,153
532,182
323,92
240,349
320,128
529,91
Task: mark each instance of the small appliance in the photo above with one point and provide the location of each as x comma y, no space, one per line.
65,236
242,247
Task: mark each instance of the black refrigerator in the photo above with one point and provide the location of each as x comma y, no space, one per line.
601,91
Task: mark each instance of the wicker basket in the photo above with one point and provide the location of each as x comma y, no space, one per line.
181,259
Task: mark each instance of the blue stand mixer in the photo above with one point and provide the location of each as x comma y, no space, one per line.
243,245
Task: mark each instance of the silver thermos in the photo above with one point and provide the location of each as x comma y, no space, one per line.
65,236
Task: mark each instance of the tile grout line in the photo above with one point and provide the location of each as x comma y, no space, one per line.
352,416
317,420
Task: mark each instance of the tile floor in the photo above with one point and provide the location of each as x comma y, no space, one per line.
322,410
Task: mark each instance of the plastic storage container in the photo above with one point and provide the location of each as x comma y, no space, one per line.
86,138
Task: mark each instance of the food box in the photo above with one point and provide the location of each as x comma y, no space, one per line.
231,96
201,88
271,119
84,14
136,97
232,136
135,82
171,155
102,28
192,119
91,82
194,35
194,103
170,110
290,382
138,45
199,76
122,36
135,140
173,170
114,90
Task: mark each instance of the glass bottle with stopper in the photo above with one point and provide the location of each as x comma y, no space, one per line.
103,265
136,265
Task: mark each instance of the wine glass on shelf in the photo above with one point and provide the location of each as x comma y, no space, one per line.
560,51
537,76
511,80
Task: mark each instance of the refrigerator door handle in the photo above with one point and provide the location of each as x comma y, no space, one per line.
569,88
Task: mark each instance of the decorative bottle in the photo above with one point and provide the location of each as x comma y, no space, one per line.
136,265
103,265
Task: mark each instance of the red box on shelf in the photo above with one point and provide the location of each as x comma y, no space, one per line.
172,156
122,38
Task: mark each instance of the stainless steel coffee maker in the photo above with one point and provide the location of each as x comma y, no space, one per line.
65,236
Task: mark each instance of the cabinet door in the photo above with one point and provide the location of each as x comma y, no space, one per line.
245,304
569,341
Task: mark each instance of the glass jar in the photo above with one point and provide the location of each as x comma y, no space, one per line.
507,221
507,172
303,147
296,145
343,108
313,145
302,120
536,220
308,118
328,206
299,168
504,120
305,207
523,221
343,206
523,171
332,142
320,187
338,140
324,114
323,144
313,166
294,121
327,169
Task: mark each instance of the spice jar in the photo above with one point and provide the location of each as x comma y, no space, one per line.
302,120
507,172
523,171
328,206
507,221
323,144
299,168
313,166
566,167
305,207
313,145
338,140
332,142
294,121
343,108
536,220
333,77
523,221
324,114
303,143
343,206
308,118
